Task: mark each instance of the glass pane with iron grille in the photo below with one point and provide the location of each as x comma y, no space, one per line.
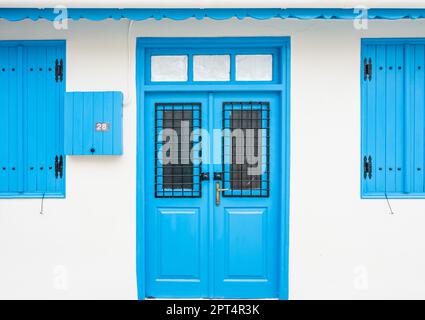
246,149
177,160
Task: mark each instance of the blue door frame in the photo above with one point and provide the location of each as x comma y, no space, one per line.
279,86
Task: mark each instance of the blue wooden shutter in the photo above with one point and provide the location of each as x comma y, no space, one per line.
11,167
43,121
383,119
393,119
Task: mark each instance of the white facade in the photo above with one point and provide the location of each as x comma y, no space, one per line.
341,247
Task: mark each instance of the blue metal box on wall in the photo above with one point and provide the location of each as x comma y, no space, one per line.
93,123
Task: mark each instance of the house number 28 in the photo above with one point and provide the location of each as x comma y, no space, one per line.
102,126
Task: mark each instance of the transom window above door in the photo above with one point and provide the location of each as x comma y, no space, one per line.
218,65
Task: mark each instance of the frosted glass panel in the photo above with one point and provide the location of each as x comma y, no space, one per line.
211,68
169,68
254,67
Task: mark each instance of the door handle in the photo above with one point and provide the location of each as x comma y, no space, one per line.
217,193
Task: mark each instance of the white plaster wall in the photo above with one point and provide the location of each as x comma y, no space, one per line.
340,246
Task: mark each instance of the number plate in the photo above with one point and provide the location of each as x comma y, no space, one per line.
102,126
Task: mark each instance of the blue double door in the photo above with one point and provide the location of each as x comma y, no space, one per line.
213,186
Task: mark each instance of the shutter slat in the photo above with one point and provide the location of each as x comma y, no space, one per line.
399,121
98,107
108,115
5,121
409,119
52,120
88,122
14,112
31,121
419,119
390,121
380,163
117,121
41,111
78,124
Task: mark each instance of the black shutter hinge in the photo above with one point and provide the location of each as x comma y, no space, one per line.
367,69
56,167
59,70
367,167
59,167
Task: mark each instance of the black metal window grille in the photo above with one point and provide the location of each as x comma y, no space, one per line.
177,161
246,149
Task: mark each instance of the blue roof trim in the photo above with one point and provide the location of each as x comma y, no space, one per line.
216,14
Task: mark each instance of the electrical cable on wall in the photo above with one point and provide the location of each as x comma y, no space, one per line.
42,204
389,205
128,96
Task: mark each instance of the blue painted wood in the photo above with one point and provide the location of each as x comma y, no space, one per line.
285,147
141,241
179,227
418,180
246,230
88,122
43,122
82,111
13,14
21,112
176,240
155,280
364,117
52,121
408,119
379,157
370,119
399,89
108,116
97,109
33,107
10,82
390,123
31,123
393,116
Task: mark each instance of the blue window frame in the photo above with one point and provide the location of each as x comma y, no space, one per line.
393,118
32,79
227,48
